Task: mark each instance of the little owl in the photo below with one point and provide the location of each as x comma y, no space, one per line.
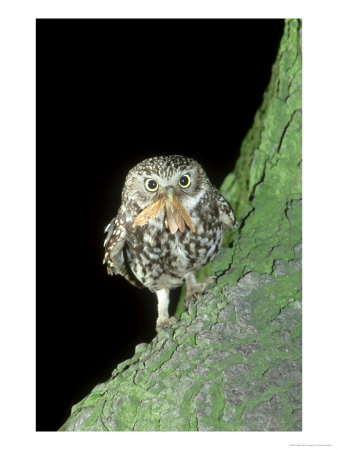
171,222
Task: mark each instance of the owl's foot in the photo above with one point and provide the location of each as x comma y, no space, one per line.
165,323
195,290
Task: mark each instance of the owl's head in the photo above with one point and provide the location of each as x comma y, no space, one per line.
158,176
173,182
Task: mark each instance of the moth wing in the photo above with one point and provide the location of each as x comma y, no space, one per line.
149,213
184,214
179,219
172,225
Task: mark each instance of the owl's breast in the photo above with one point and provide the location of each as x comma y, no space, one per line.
160,259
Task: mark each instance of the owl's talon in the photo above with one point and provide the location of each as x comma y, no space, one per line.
196,290
166,323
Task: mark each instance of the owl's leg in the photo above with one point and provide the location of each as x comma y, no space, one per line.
163,320
194,289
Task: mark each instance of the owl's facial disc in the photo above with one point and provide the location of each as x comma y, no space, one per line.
176,215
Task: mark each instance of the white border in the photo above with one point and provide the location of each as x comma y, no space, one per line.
17,191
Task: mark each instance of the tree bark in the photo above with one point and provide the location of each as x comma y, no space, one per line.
233,363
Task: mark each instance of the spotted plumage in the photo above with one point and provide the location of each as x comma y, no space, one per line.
171,223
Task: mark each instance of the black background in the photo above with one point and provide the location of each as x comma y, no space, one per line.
109,94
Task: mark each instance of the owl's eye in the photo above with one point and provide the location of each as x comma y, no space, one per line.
151,185
185,181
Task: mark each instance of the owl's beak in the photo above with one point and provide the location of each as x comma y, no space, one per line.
171,195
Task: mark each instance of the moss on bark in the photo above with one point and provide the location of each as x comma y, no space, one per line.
234,360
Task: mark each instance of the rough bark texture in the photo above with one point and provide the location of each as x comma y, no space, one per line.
234,360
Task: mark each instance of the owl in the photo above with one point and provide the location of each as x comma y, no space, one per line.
171,222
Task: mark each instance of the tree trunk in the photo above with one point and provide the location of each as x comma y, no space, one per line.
234,360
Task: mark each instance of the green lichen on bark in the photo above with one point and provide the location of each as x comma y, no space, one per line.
233,363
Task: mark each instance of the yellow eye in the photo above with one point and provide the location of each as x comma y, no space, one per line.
185,181
151,185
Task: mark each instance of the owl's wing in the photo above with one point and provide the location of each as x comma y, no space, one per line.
115,252
226,213
113,245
